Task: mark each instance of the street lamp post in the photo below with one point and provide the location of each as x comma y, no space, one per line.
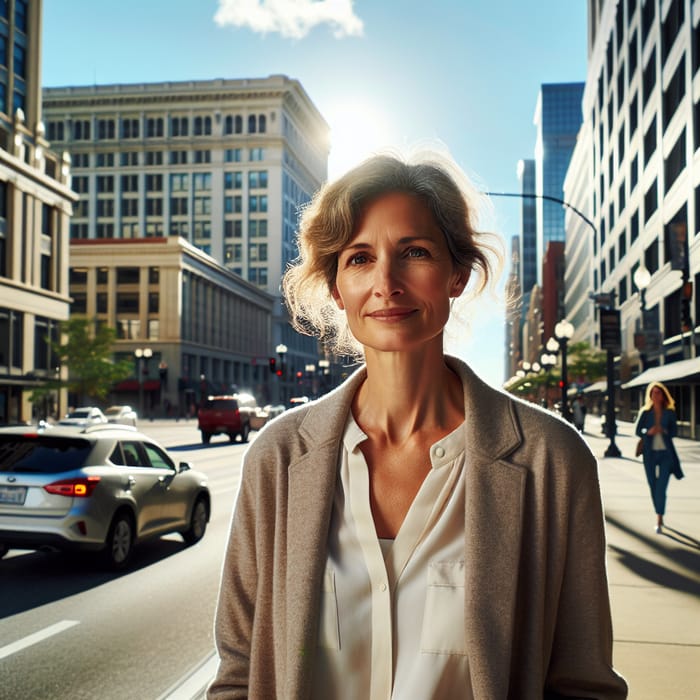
142,354
642,278
281,350
564,331
548,360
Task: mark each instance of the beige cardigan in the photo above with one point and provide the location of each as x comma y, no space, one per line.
537,614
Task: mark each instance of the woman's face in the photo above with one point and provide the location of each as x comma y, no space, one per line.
396,276
657,396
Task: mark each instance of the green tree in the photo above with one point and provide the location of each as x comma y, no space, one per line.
86,349
585,363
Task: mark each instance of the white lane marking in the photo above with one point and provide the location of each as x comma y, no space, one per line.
193,686
37,637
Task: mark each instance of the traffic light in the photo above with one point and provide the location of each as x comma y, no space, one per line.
273,365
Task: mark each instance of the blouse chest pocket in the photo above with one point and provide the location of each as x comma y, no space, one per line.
443,617
328,632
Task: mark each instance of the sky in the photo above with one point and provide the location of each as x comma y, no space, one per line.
460,74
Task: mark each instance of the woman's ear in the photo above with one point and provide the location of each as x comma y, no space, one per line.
460,282
337,298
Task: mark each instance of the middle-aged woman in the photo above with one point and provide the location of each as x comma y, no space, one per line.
415,533
656,426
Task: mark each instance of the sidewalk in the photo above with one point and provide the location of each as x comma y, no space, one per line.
654,579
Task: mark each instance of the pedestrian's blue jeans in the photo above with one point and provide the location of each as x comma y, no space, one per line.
658,482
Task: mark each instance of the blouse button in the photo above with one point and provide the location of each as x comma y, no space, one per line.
439,452
382,587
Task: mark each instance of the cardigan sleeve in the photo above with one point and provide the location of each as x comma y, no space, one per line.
581,664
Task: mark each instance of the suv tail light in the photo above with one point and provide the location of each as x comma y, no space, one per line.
74,488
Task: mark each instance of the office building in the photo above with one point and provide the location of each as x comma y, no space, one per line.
223,164
35,206
641,111
557,120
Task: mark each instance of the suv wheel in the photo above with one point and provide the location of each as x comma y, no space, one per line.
120,542
198,522
206,437
245,431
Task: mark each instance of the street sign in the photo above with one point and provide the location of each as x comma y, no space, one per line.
610,330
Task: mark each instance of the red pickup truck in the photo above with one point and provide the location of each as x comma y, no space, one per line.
229,415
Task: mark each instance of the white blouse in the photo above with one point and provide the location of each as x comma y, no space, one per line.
392,622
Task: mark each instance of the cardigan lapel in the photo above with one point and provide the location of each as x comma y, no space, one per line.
312,481
495,491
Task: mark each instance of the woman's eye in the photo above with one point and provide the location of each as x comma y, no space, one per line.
417,252
357,259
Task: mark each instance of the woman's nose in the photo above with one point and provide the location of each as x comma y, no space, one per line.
387,279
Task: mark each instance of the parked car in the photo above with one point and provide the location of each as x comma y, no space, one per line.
125,415
226,415
102,489
82,417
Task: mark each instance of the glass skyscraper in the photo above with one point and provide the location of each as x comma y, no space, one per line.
558,118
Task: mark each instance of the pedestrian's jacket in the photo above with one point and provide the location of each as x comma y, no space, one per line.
537,614
645,421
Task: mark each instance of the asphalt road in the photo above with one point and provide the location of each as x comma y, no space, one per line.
69,630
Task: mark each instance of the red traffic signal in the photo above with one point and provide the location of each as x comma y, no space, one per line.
273,364
279,372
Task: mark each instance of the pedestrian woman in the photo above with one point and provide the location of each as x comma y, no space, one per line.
415,533
656,426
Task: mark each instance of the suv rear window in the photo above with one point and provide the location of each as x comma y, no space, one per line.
42,454
221,404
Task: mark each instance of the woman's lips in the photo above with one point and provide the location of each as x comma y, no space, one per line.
392,314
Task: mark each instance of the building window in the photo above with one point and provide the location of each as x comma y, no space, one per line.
651,203
105,129
233,155
202,205
128,275
55,131
650,142
202,126
257,203
201,181
104,160
233,228
648,13
154,207
634,172
674,93
649,77
256,154
179,126
202,156
257,228
257,179
127,302
233,180
178,206
130,183
178,157
621,84
671,26
153,158
154,183
81,130
105,208
154,127
105,183
130,128
675,162
179,182
129,158
633,55
130,206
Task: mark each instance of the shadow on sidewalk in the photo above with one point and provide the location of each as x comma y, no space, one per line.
687,557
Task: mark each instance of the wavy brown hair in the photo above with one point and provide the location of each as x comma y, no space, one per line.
329,221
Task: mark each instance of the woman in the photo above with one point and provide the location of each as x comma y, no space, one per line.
656,426
415,533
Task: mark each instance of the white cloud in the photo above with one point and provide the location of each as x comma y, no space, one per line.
291,18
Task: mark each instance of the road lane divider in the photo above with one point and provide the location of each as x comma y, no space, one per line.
37,637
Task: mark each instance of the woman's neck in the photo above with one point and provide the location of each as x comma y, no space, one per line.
408,392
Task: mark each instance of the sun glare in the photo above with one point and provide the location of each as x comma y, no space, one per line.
357,130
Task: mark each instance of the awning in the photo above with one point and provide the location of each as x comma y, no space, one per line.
597,387
669,373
